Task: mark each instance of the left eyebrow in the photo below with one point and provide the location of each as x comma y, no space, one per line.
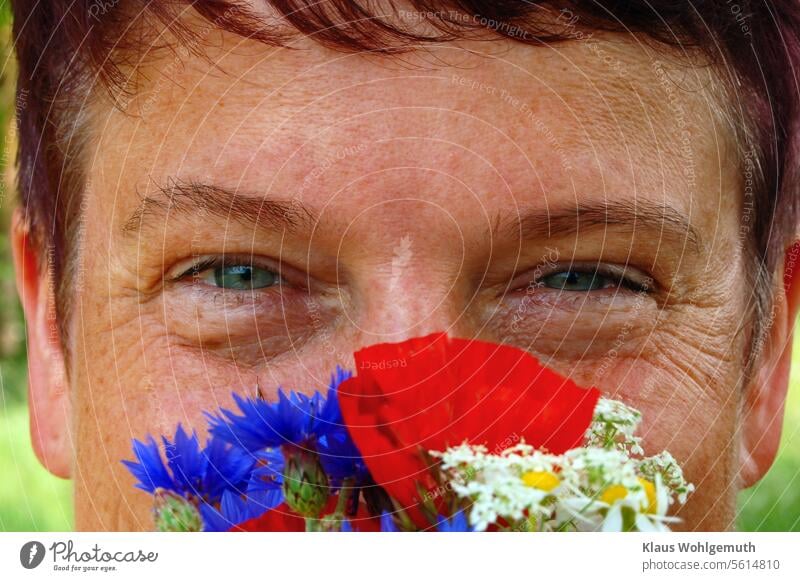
664,219
180,197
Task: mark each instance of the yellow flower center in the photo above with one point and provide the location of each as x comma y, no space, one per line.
650,491
546,481
614,493
617,492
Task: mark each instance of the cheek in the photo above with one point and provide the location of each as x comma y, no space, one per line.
696,422
706,443
681,366
690,401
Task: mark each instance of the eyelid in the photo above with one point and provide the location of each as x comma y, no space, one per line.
626,275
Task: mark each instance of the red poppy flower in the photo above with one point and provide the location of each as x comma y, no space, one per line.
432,392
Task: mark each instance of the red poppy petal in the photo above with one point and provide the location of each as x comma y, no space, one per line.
432,392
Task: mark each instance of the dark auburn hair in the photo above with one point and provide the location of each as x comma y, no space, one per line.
69,46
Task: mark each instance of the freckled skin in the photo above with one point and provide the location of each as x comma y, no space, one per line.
406,169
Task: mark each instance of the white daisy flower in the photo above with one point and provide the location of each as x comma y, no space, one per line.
604,486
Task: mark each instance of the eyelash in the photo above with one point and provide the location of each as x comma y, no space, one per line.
198,267
611,271
222,261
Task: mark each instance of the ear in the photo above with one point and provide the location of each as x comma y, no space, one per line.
763,407
48,393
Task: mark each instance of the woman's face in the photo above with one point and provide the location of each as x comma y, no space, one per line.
254,217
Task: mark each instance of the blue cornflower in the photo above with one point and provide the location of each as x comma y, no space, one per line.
330,416
233,510
149,469
229,468
267,475
337,452
340,458
290,420
455,524
190,471
314,423
263,493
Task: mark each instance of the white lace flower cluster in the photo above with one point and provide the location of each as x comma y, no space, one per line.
606,485
613,426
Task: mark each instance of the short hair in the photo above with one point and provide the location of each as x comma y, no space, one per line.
65,47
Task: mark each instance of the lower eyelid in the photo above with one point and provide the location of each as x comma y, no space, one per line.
592,303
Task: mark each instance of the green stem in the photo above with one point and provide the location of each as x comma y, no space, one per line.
611,433
345,492
312,525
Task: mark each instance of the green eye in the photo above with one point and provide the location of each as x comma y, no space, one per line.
243,277
572,280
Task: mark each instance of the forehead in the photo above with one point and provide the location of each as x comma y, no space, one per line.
611,118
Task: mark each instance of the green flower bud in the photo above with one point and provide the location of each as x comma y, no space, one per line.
174,513
305,484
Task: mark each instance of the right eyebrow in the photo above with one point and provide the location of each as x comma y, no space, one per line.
179,197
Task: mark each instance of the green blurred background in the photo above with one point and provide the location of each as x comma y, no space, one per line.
33,500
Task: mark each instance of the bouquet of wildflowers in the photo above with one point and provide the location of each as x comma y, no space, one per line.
433,433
